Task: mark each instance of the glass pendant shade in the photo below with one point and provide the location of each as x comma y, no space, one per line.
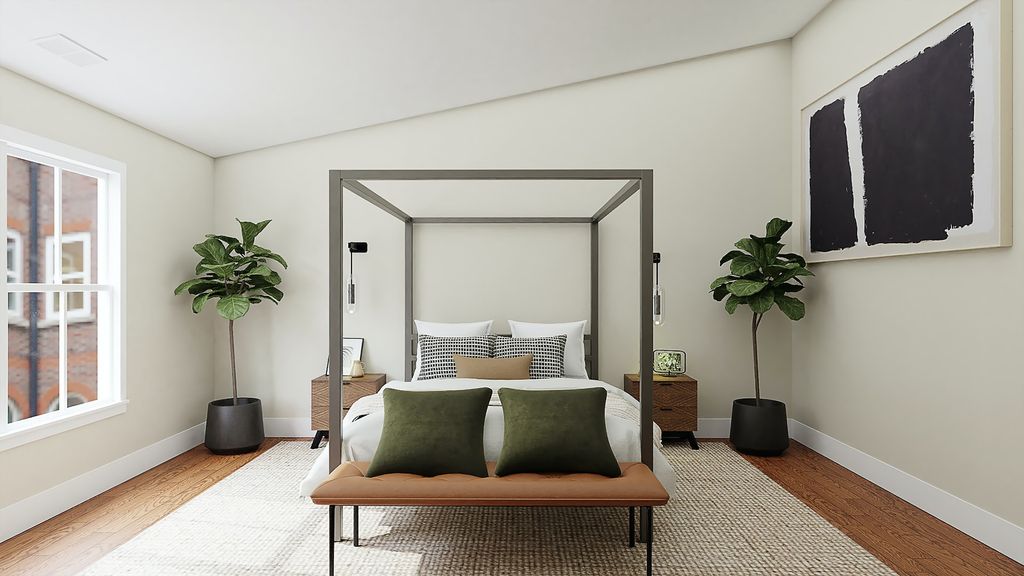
350,296
659,305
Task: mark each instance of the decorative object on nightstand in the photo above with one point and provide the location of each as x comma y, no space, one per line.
761,277
669,362
352,352
355,388
236,274
675,404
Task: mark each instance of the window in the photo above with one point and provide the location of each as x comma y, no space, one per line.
64,295
14,256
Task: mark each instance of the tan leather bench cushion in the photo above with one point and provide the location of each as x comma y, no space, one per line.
349,486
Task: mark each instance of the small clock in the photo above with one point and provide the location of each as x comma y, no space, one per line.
669,362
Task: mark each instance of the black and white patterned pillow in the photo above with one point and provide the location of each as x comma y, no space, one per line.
436,356
548,353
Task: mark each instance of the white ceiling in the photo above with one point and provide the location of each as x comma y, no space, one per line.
225,76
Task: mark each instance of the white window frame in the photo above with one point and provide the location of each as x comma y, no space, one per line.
109,283
16,271
53,267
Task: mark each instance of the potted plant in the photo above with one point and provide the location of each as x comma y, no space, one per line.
235,273
761,277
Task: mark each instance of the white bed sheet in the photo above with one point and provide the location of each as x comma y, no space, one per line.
362,435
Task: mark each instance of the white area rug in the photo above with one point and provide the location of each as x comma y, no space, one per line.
726,519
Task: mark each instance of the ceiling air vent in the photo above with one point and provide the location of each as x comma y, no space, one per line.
69,50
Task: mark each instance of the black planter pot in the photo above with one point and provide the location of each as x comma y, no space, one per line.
759,429
234,428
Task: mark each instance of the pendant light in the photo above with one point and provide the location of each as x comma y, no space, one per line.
659,293
350,286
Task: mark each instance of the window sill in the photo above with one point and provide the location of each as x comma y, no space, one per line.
45,425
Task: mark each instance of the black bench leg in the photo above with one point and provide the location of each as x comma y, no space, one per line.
650,539
632,527
320,435
355,526
330,556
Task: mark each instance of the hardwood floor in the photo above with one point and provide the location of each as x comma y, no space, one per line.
910,541
69,542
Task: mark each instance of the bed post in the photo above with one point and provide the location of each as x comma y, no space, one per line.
646,333
594,301
409,348
336,317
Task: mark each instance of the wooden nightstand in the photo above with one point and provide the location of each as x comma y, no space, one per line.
355,388
675,404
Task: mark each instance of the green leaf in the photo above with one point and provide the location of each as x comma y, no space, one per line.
744,265
720,293
777,227
794,258
729,256
752,246
771,250
762,301
186,285
790,306
746,287
275,294
719,281
789,288
732,303
261,270
198,302
213,250
207,286
264,253
222,270
233,307
250,231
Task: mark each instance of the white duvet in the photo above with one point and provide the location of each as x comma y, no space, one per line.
364,422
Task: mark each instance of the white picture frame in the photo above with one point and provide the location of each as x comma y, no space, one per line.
991,225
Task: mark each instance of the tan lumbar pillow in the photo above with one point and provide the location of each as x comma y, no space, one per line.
516,368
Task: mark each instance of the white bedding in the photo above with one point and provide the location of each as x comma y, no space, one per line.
365,420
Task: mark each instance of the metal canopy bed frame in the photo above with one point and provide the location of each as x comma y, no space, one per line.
641,181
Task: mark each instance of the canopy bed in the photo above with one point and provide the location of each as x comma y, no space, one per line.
346,459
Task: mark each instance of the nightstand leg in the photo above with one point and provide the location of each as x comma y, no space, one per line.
692,440
320,435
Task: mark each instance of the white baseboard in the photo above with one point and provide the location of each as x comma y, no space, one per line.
982,525
287,427
712,428
38,508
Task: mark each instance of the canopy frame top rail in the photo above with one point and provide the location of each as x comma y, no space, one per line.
637,180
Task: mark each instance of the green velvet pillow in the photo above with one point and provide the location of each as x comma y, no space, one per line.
432,432
555,431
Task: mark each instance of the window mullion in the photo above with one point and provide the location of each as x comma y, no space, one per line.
62,297
62,352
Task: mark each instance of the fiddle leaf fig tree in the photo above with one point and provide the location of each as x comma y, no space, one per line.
236,274
760,277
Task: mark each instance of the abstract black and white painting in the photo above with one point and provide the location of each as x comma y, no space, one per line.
912,155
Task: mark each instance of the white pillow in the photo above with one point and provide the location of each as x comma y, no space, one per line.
448,329
575,352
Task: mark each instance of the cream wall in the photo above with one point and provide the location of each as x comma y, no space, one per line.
169,354
913,359
715,131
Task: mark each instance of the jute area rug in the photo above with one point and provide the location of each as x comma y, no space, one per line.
727,518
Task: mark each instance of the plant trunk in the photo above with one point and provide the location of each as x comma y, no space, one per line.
234,377
755,321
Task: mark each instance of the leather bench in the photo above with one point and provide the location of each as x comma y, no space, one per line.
348,485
